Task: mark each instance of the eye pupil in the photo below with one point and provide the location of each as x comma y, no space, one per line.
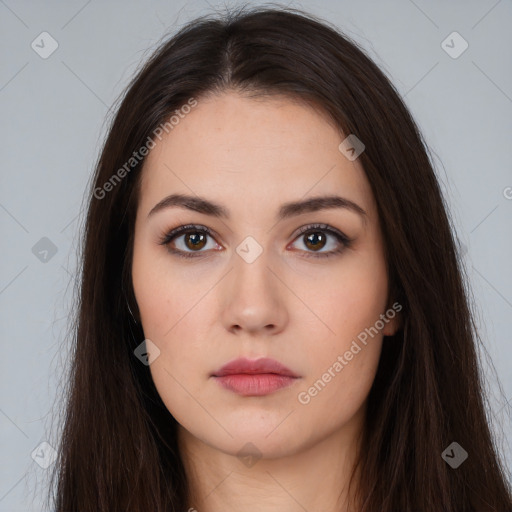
196,238
316,238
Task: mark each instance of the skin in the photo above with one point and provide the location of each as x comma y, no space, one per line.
251,156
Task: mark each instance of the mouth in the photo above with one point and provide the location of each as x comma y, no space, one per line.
254,378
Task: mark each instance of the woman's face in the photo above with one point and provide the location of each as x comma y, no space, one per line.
256,286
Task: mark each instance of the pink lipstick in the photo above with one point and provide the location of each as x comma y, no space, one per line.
254,377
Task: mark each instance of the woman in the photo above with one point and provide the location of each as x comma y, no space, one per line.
272,314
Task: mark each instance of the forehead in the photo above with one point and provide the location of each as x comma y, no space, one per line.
257,149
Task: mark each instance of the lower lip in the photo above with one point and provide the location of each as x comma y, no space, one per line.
255,385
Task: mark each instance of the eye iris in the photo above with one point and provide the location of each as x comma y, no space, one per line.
316,238
196,238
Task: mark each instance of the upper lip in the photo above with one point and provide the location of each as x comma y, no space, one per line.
253,367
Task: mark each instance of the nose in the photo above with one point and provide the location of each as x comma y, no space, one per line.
254,298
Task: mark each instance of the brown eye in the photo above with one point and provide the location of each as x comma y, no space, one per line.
197,240
187,241
315,237
315,240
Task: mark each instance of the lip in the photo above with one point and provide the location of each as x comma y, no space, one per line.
253,367
254,377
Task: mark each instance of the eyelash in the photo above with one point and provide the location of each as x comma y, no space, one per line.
168,237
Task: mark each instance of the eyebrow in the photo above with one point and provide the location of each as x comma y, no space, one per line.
287,210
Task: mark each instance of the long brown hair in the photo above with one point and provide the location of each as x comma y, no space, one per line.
118,449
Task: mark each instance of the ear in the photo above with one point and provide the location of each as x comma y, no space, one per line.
394,319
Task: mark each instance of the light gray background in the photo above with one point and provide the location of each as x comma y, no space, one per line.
53,121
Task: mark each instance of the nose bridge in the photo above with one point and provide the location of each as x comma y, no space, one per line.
254,295
251,266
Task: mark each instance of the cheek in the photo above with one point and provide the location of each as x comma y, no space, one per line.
160,292
351,298
169,308
164,299
343,364
337,393
174,320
